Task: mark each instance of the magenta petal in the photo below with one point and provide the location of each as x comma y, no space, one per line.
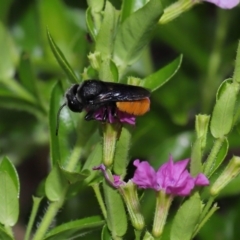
117,181
112,118
182,190
201,180
180,166
145,175
227,4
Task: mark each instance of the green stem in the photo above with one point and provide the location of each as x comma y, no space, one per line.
47,219
100,199
55,206
212,156
205,216
36,203
137,234
163,203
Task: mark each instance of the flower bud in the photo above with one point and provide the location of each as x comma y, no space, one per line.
201,126
95,60
228,174
130,196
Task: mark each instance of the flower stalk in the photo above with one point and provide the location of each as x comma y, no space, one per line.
162,207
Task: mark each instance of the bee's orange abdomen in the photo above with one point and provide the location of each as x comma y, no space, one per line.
136,108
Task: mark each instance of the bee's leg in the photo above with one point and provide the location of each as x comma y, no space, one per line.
90,116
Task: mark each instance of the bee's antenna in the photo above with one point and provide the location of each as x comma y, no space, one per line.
58,115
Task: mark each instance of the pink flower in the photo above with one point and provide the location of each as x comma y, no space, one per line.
114,115
227,4
172,178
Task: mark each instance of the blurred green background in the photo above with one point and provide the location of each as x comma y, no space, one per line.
206,36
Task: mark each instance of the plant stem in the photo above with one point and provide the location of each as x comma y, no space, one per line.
36,203
47,219
100,199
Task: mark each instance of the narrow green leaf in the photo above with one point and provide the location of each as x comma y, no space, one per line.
55,185
236,76
26,75
7,166
62,60
18,104
106,34
90,24
157,79
116,214
75,228
186,219
135,32
121,153
223,112
9,205
35,207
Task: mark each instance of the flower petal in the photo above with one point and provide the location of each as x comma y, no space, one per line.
145,175
201,180
114,115
227,4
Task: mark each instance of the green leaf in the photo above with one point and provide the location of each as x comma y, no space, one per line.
94,159
75,228
108,71
223,112
7,166
157,79
4,234
116,215
130,6
148,236
106,34
59,145
236,76
26,75
9,205
9,55
121,153
73,177
105,235
90,24
62,60
186,219
135,33
55,185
